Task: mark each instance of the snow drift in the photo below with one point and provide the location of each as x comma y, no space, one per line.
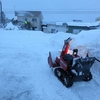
25,73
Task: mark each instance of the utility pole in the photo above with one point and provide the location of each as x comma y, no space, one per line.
0,11
14,8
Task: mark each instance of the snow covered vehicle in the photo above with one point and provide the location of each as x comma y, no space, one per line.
69,68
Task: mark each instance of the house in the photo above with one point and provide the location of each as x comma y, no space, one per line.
34,17
54,27
76,27
69,27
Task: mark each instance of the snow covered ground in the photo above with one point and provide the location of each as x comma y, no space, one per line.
25,73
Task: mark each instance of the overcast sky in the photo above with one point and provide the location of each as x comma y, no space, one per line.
53,7
51,4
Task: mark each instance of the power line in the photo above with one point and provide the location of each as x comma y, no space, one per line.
64,11
87,7
72,12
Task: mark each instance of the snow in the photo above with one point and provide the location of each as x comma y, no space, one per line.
88,24
25,73
59,23
21,13
10,26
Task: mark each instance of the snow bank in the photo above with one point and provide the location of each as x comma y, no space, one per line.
87,41
26,75
10,26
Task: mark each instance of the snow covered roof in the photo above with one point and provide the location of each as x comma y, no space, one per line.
54,23
25,14
10,26
28,13
59,23
88,24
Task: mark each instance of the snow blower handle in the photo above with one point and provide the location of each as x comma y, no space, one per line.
97,59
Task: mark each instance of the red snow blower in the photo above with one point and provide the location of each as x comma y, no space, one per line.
69,68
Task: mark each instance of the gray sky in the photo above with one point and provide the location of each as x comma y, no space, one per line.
57,9
51,4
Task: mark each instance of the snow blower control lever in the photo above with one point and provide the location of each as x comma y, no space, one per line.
97,59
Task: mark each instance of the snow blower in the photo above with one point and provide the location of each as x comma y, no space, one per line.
69,68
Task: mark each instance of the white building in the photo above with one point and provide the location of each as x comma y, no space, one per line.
55,27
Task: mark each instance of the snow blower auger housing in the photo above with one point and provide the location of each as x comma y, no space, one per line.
69,68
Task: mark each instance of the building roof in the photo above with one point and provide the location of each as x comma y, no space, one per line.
28,13
79,24
53,23
83,24
59,23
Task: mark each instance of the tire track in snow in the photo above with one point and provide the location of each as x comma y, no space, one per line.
86,90
43,88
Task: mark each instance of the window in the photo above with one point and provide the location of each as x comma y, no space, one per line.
52,30
34,19
24,19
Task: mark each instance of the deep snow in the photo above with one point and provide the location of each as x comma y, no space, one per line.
25,73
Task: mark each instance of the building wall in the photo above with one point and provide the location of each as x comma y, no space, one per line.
76,29
35,23
61,28
39,23
52,28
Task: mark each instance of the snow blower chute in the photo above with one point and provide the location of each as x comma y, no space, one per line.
69,68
